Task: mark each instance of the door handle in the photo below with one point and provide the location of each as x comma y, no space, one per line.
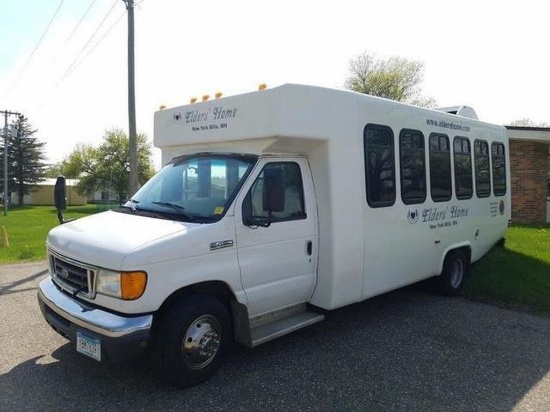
309,247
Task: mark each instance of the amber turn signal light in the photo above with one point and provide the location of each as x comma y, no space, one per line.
132,284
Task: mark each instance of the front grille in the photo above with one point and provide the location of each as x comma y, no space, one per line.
72,276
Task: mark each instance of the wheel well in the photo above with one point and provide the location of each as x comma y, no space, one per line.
216,289
466,249
468,252
451,280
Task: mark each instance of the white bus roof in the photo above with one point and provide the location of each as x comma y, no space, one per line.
290,119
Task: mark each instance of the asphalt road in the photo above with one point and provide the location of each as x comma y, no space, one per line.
408,350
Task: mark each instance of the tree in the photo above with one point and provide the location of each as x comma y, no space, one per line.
107,167
81,164
26,160
526,122
395,78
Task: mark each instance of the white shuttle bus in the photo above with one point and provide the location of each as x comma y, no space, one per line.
274,207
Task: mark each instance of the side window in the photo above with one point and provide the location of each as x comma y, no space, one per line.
499,169
379,165
440,168
463,167
413,166
294,208
481,163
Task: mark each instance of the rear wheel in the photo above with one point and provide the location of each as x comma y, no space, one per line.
456,269
191,341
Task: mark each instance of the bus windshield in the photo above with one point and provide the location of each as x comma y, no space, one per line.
197,188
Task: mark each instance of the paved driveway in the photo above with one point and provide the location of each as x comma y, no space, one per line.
408,350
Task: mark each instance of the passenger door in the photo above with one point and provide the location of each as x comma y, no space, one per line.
278,254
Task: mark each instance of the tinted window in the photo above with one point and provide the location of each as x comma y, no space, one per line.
481,163
413,166
294,209
463,168
499,169
379,165
440,168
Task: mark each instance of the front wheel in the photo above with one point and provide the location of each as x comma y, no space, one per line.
456,269
191,340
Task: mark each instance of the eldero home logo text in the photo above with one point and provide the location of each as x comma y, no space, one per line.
212,114
438,217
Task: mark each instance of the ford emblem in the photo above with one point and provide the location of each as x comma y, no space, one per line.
64,273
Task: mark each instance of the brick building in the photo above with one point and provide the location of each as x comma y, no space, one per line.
530,172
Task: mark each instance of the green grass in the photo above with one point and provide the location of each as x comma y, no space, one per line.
27,228
517,275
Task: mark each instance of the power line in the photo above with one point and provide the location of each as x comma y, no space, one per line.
76,27
102,38
74,65
35,49
98,42
71,66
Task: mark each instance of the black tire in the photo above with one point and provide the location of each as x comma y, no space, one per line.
456,269
192,338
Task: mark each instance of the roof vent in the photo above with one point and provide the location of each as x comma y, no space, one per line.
464,111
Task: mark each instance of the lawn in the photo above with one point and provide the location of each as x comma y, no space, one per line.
27,227
517,275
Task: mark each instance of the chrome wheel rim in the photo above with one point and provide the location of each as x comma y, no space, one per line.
457,272
201,342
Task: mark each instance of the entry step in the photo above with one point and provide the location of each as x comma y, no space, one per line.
280,327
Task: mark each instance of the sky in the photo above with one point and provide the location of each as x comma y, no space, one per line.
63,64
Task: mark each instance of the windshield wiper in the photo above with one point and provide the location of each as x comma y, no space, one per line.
177,208
133,204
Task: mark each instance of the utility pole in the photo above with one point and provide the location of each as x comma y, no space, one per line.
132,135
6,113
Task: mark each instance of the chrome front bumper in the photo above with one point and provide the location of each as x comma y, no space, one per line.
121,337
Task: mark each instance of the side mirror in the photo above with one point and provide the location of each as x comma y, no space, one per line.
273,190
60,198
59,194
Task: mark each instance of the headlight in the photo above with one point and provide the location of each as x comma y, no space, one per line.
108,283
122,285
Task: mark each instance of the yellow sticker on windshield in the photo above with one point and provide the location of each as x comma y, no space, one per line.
218,210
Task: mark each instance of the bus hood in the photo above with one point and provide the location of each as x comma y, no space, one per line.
107,239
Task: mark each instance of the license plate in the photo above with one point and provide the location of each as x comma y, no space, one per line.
88,346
